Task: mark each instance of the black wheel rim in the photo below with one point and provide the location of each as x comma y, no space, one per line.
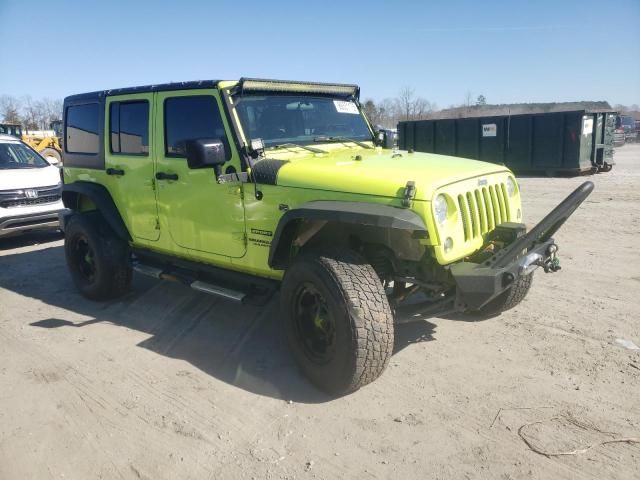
314,324
84,259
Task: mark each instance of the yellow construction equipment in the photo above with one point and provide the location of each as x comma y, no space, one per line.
46,142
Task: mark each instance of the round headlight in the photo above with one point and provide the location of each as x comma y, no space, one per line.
511,186
440,209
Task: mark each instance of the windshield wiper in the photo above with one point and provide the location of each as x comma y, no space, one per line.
343,140
290,145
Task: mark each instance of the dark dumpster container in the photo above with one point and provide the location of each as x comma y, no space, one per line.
570,142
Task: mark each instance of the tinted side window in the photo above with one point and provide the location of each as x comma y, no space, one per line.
129,127
191,118
82,135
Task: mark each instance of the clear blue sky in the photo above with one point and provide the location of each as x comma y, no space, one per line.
510,51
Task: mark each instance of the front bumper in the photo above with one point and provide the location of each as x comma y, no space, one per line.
25,222
479,283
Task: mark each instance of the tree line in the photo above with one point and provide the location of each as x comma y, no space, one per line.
409,106
31,114
38,114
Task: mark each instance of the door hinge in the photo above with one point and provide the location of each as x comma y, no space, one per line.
235,190
157,224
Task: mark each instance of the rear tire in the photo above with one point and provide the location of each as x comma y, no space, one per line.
98,260
337,319
509,298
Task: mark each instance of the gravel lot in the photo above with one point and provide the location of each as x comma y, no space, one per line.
169,383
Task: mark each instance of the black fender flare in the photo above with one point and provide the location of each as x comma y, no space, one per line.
103,201
358,213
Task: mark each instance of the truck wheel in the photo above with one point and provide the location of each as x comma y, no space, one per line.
51,153
98,260
337,319
509,298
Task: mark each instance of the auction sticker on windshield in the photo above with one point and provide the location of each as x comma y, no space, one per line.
345,107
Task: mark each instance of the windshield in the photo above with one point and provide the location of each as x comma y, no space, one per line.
17,155
56,126
300,119
628,121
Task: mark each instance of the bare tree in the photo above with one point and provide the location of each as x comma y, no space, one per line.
468,99
405,102
421,108
372,112
9,109
481,100
407,106
388,111
50,110
30,113
410,107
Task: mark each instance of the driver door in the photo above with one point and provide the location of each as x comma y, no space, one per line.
200,214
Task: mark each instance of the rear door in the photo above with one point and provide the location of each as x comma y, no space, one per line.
200,214
129,156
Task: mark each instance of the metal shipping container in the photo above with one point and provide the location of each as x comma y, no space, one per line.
569,142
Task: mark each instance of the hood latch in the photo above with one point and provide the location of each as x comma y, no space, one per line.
409,194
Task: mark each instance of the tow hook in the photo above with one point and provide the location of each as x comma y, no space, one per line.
552,263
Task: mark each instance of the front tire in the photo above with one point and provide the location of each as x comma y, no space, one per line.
337,319
509,298
98,260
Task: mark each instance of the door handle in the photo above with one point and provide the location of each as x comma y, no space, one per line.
166,176
115,171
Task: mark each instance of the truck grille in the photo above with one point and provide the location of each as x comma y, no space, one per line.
36,196
483,209
25,202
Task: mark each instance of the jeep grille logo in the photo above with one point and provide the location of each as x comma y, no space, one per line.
482,182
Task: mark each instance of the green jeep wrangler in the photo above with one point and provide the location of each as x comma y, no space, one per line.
241,188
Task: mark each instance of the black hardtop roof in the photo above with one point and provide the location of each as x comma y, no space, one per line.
163,87
160,87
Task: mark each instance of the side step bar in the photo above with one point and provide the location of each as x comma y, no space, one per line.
198,285
218,291
147,270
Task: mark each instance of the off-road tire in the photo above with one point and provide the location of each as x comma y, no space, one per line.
509,298
356,300
110,255
51,152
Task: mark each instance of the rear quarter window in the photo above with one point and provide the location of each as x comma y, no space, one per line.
82,131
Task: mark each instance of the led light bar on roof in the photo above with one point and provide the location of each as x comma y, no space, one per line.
258,85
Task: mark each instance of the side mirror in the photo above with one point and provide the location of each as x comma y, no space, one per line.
206,152
386,139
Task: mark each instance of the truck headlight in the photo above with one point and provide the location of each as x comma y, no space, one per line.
512,187
440,207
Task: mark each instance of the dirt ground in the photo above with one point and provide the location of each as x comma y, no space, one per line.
169,383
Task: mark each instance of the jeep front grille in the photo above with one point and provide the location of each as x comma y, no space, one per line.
483,209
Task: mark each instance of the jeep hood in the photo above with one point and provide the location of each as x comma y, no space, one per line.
379,172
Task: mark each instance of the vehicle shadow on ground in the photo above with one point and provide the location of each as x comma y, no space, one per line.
29,239
240,345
